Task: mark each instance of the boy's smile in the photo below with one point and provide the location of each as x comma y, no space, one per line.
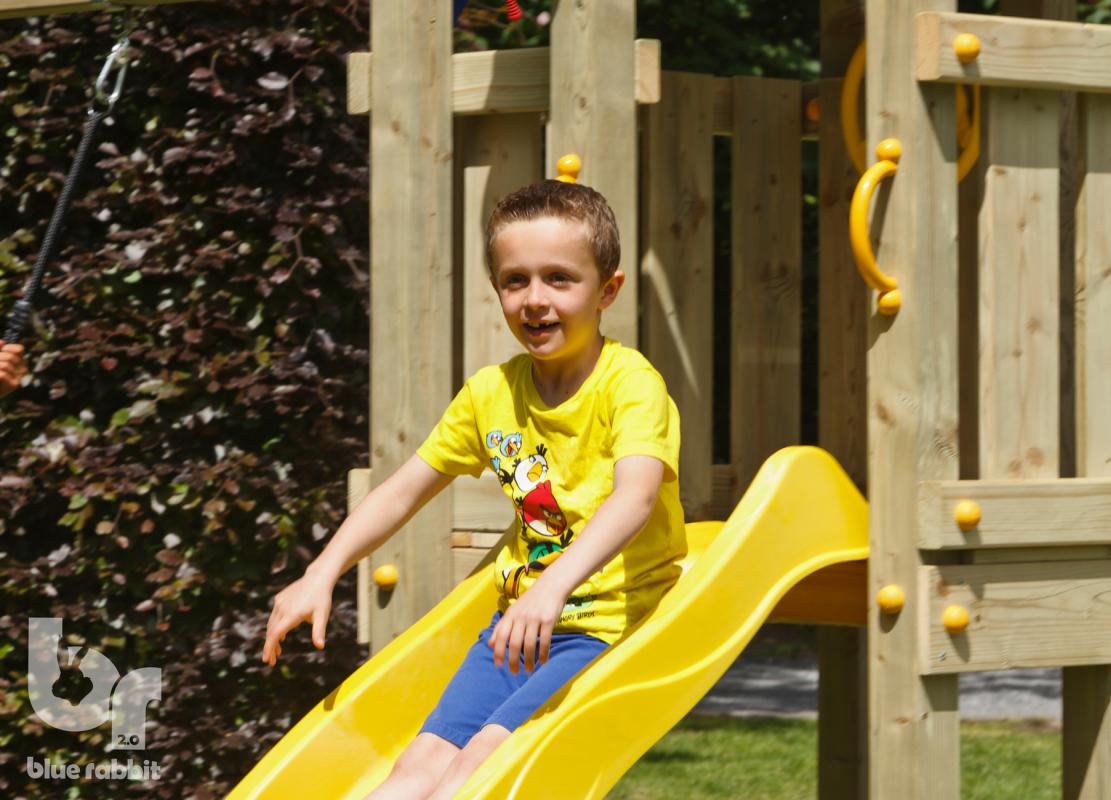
551,295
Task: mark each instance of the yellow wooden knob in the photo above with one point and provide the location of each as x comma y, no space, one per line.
891,599
889,150
568,168
890,302
967,514
967,47
385,577
955,619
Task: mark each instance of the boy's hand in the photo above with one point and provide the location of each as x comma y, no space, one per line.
12,366
308,599
533,614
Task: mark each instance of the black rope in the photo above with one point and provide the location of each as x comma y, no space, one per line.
21,312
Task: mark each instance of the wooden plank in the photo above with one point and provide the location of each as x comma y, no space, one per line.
1086,691
358,487
767,271
1031,513
593,113
1011,555
464,560
503,81
1019,288
499,155
914,743
481,539
1021,615
411,284
480,505
677,265
844,303
1033,54
835,595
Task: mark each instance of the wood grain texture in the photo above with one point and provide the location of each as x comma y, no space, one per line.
1045,513
503,81
499,155
1022,615
358,487
767,271
1027,53
678,269
1019,288
411,285
912,405
480,505
593,113
10,9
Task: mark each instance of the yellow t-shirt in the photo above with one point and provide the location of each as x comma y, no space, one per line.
556,467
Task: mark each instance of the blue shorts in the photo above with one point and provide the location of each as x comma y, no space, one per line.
481,694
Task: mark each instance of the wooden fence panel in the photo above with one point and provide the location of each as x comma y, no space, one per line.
767,271
677,265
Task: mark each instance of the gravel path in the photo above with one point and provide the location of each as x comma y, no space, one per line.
762,687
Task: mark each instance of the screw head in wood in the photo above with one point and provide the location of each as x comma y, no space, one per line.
955,619
967,47
385,577
891,599
967,514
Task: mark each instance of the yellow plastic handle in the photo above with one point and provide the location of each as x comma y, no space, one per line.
968,124
889,151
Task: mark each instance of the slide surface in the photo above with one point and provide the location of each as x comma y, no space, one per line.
800,514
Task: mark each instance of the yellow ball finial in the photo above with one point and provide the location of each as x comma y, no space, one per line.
568,168
385,577
967,514
955,619
967,47
891,599
889,150
890,302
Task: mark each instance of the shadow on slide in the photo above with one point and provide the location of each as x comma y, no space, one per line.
801,514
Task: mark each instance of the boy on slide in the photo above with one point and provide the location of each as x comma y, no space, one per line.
584,440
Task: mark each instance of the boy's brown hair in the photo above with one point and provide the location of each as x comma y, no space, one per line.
568,201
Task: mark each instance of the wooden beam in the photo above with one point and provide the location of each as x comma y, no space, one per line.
1022,615
835,595
912,405
411,286
1026,53
504,81
358,487
1044,513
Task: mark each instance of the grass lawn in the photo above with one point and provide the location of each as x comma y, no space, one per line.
774,759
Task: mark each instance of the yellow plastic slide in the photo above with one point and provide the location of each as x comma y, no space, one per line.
800,514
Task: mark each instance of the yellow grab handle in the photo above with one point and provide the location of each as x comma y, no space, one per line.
968,125
888,151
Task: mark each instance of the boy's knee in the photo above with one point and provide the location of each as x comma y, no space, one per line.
426,754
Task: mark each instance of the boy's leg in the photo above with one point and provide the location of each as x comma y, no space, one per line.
418,769
466,761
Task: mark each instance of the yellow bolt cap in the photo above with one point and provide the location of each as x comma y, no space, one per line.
385,577
890,302
955,619
967,47
568,168
813,109
967,514
891,599
889,149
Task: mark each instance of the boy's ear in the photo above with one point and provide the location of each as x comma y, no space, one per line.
610,290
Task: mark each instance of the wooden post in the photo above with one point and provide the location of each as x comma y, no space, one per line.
678,268
1086,735
411,285
767,271
593,113
843,308
912,405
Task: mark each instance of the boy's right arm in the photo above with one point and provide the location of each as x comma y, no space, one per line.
374,520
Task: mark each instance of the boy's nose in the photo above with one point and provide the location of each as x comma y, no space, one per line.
535,295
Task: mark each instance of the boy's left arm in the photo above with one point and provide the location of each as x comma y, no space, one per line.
636,486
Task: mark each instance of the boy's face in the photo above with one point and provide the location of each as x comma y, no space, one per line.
549,286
